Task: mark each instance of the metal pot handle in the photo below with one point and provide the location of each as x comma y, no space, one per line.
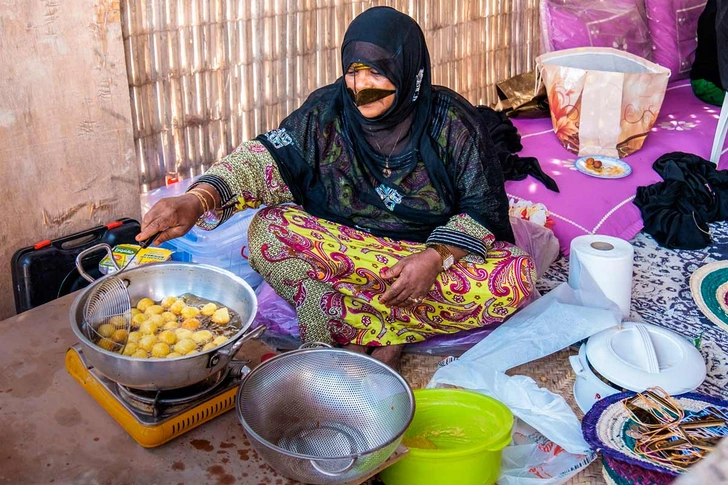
215,358
93,249
334,473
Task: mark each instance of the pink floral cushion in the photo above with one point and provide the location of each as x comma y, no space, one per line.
673,27
618,23
588,205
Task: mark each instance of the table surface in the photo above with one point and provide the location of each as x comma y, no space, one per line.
54,432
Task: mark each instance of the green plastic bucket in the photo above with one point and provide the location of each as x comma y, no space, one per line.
456,437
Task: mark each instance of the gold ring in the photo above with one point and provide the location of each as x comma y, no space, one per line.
417,300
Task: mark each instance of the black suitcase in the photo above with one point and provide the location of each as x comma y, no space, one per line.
47,270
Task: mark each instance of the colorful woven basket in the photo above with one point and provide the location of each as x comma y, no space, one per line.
622,473
608,429
709,287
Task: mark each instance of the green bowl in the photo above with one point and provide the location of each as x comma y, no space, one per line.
456,437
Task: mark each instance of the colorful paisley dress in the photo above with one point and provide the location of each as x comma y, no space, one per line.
331,272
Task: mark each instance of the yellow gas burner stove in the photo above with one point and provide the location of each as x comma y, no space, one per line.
155,417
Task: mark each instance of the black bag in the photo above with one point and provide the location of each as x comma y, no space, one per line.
47,270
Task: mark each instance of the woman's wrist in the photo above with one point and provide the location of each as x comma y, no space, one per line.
207,196
448,255
197,203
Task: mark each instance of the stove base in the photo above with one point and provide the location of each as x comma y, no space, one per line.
146,430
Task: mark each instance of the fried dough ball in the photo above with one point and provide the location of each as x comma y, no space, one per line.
140,354
219,340
160,350
189,312
156,319
185,346
168,301
118,321
169,317
144,303
191,352
106,330
134,336
167,336
135,311
183,333
177,306
171,325
208,346
208,309
120,336
130,348
148,328
147,342
221,316
202,337
138,319
191,324
172,355
106,344
154,310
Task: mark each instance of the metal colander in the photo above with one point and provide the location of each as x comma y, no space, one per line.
324,415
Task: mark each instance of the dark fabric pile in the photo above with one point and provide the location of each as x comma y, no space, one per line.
507,142
676,212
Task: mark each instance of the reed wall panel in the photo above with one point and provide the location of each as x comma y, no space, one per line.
205,75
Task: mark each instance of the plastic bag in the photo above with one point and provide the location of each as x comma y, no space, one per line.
538,241
534,460
279,317
603,101
558,319
516,97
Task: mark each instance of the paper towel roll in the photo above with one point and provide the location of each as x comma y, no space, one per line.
608,260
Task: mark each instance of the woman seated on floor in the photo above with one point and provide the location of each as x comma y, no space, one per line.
399,225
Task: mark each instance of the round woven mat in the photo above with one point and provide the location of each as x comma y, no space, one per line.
607,479
552,372
709,287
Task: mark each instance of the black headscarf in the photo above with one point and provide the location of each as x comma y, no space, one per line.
328,135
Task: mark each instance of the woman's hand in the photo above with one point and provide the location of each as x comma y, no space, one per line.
171,217
414,276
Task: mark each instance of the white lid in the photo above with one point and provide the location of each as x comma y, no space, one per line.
638,355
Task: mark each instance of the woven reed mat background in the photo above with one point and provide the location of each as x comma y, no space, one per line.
552,372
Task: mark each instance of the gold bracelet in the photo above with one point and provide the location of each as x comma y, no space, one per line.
202,200
212,197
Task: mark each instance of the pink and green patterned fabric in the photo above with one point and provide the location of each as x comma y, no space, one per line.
330,273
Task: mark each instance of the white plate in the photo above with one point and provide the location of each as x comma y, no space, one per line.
612,168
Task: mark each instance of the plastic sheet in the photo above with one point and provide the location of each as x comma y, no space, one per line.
673,28
621,24
562,317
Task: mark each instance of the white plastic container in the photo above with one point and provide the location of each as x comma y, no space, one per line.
226,246
635,356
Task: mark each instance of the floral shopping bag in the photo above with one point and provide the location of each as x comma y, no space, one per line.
603,101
